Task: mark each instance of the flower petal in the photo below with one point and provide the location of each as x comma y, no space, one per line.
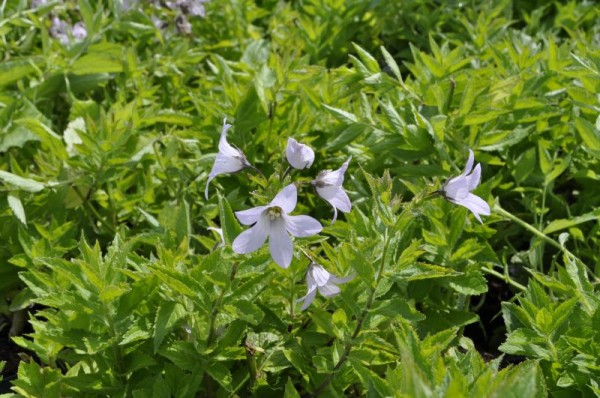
329,290
455,187
302,226
319,274
476,205
299,156
308,299
250,216
280,244
474,177
286,199
337,280
226,164
334,178
341,201
224,147
252,238
469,164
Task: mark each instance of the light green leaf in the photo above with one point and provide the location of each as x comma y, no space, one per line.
25,184
167,316
17,207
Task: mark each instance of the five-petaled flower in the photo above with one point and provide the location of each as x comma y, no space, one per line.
228,160
458,189
273,221
329,186
317,278
299,156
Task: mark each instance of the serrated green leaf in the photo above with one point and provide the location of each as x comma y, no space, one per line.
229,224
17,207
167,316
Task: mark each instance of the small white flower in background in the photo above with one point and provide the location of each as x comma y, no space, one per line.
273,221
59,30
66,34
193,7
299,156
458,189
219,232
79,31
229,159
329,186
317,278
37,3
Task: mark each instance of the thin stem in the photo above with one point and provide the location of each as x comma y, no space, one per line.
505,278
257,170
292,301
215,310
286,173
542,236
359,323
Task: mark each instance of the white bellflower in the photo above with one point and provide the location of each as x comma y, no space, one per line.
298,155
272,221
317,278
329,186
228,160
458,189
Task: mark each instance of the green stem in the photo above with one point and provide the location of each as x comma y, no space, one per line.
359,323
505,278
216,306
544,237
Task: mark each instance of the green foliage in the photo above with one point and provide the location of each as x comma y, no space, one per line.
107,144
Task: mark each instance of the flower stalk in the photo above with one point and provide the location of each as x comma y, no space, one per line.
359,323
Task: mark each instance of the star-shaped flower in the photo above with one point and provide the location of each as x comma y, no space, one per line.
299,156
273,221
228,160
458,189
317,278
329,186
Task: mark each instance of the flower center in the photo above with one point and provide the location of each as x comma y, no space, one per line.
274,212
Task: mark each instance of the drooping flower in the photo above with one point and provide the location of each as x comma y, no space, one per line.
329,186
299,156
228,160
273,221
458,189
318,278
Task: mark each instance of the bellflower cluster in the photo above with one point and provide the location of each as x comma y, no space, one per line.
274,222
65,33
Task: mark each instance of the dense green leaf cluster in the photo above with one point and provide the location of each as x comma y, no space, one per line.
107,144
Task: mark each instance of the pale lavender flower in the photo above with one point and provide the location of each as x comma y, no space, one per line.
273,221
66,34
318,278
329,187
79,31
228,160
458,189
299,156
38,3
193,7
60,30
